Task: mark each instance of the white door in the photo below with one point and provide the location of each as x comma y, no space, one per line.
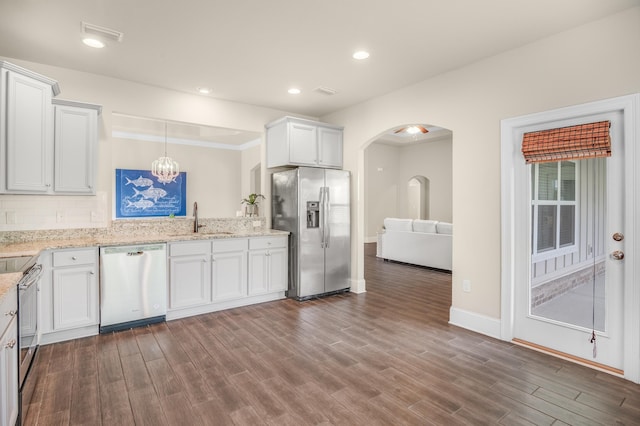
571,286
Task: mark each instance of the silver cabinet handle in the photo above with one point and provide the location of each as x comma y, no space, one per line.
74,258
92,273
11,344
11,313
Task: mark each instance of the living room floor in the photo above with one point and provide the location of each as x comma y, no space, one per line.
385,357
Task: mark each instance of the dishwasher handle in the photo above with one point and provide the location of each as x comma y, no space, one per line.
135,253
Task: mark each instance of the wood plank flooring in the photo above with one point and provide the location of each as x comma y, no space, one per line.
386,357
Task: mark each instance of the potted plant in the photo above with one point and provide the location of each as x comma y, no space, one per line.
251,204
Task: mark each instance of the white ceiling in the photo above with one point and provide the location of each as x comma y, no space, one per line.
252,51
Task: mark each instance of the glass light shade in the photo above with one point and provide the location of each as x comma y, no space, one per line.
165,169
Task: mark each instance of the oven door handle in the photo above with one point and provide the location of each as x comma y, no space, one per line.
31,277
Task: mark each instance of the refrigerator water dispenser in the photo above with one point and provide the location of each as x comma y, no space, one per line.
313,214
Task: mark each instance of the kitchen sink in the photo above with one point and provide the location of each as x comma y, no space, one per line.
188,234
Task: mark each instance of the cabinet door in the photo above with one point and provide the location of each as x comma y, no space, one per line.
189,281
303,147
278,269
9,374
229,280
29,134
329,147
258,272
75,297
75,140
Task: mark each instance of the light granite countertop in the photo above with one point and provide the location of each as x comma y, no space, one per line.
35,247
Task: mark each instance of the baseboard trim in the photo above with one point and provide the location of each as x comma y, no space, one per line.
475,322
358,286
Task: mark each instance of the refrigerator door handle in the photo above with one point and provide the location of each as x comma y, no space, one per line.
327,215
322,216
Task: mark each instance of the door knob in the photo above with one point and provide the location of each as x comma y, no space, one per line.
618,255
618,236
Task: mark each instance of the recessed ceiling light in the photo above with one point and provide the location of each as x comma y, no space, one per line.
294,91
204,90
93,42
360,54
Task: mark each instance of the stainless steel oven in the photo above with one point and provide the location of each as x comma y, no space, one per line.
28,318
28,287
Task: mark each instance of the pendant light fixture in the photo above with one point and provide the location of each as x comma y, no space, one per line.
164,168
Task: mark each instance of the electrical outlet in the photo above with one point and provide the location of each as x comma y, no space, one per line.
59,217
94,216
466,286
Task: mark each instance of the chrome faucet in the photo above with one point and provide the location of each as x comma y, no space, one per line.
196,226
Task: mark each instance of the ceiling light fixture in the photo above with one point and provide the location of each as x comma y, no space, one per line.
412,130
164,168
294,91
360,55
204,90
93,42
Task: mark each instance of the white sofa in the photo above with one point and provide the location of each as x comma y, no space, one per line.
420,242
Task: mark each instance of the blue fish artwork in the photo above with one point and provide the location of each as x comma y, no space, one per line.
140,181
139,194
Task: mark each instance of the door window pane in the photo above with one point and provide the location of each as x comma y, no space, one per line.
548,181
567,225
568,181
546,228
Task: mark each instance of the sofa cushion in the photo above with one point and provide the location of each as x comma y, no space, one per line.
427,226
393,224
444,228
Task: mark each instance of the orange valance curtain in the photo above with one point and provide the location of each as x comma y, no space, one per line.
567,143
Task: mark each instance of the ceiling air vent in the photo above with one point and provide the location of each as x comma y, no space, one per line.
325,90
105,33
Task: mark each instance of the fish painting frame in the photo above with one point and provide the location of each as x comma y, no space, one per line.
138,194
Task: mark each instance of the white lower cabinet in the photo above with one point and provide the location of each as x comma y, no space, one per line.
9,360
206,276
229,266
268,265
70,296
189,274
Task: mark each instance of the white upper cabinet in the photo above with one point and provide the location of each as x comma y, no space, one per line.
76,139
297,142
26,130
47,146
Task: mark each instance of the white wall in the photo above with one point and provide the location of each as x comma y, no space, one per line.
595,61
380,186
386,190
213,175
433,161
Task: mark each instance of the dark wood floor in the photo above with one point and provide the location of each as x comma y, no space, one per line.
387,357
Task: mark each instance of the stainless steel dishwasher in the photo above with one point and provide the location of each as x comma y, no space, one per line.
133,286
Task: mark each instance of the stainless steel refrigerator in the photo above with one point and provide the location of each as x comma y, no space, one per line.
313,205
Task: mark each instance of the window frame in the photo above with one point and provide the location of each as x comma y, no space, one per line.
558,203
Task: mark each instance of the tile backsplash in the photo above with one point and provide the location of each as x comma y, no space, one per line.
36,212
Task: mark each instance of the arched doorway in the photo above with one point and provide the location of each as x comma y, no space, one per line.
407,175
418,197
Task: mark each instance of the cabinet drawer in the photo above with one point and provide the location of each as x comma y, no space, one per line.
8,304
233,244
74,257
267,242
190,248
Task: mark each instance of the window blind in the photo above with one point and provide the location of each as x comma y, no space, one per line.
590,140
